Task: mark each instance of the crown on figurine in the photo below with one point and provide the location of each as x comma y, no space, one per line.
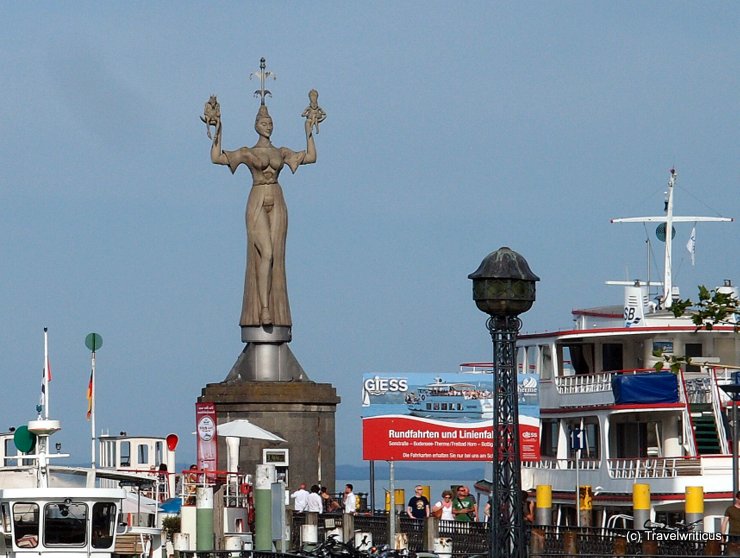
262,113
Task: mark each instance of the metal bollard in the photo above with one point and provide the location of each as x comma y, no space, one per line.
543,509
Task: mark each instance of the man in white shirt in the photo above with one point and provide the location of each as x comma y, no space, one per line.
315,501
301,498
350,500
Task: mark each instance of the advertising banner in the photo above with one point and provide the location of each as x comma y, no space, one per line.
433,417
207,440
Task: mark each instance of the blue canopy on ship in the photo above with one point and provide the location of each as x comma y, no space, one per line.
172,505
653,387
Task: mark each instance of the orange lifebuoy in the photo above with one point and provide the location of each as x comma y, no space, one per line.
244,488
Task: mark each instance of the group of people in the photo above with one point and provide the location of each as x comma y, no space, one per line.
318,499
460,507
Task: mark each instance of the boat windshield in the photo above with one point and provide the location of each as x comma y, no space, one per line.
65,523
103,524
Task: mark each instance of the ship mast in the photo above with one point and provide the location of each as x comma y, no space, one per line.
669,219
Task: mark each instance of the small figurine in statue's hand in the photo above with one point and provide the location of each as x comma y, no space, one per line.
211,114
313,113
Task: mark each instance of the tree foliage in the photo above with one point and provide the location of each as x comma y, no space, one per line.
713,308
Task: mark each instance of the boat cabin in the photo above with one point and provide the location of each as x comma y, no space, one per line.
59,521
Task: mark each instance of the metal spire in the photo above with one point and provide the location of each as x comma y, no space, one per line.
263,75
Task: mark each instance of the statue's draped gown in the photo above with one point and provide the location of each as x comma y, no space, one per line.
278,216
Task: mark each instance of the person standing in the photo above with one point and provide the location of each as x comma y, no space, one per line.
301,498
444,507
418,507
350,500
314,503
732,518
464,507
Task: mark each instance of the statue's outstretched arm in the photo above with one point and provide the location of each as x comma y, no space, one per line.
310,145
217,155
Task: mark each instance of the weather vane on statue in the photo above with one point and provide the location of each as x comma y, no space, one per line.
265,301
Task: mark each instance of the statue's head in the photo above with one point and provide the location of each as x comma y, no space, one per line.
263,122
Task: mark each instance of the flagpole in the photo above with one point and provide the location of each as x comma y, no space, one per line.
46,374
93,342
92,410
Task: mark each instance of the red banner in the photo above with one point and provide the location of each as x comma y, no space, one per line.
406,438
207,445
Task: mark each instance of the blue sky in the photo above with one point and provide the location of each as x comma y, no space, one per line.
453,129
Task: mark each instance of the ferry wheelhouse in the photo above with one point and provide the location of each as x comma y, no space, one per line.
636,423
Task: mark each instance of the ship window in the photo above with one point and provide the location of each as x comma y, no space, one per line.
546,366
436,406
531,360
26,524
65,524
549,439
581,357
611,357
143,454
6,518
103,524
158,452
444,406
429,406
590,439
692,350
125,454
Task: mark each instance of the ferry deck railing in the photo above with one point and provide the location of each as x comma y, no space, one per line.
595,382
654,467
236,487
470,539
563,463
628,467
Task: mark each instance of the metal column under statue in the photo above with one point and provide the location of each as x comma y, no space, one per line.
265,318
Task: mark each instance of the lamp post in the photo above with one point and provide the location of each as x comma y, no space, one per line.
733,390
503,288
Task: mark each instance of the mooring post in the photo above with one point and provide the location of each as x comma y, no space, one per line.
204,518
694,504
543,505
264,477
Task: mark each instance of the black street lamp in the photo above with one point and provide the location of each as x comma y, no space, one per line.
503,288
733,390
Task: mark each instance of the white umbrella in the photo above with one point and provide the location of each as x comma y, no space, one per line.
136,503
242,428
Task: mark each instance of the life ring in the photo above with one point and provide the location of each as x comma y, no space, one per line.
244,488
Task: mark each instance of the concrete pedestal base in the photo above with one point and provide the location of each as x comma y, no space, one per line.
300,412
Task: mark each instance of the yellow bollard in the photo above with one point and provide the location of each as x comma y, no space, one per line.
399,499
640,505
694,504
585,504
543,507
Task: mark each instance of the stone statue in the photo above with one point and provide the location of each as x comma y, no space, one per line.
265,290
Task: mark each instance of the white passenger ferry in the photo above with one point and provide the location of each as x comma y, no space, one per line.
450,401
597,378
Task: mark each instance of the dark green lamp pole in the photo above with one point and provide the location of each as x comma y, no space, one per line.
503,288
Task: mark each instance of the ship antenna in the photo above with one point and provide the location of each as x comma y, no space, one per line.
668,219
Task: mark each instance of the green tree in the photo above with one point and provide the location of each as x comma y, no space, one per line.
713,308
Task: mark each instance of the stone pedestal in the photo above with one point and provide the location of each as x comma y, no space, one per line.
301,412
